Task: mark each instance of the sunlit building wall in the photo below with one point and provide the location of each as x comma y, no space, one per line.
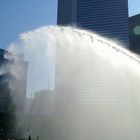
97,91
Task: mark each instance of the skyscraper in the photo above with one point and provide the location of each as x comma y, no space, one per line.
12,93
134,32
108,18
92,83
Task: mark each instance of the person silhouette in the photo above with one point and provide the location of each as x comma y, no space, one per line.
29,138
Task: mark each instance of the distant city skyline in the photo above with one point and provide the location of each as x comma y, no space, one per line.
21,16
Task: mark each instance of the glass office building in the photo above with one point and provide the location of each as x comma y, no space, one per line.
134,30
108,18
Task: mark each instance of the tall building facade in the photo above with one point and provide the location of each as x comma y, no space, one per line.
93,85
12,93
108,18
44,103
134,32
7,110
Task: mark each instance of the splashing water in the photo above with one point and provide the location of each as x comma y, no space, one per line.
96,83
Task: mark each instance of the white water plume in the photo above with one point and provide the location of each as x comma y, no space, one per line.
96,83
38,47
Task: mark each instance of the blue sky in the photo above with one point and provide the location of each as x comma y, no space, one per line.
17,16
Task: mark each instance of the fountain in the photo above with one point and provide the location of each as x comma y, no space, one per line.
96,83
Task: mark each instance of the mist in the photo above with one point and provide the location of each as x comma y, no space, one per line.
95,84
